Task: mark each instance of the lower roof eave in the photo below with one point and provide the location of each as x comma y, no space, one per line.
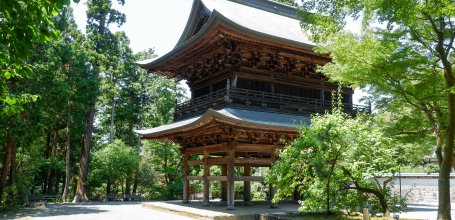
260,121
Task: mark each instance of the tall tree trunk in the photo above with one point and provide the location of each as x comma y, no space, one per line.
67,158
447,160
81,189
12,173
108,187
446,165
136,180
45,175
111,133
128,186
6,162
51,172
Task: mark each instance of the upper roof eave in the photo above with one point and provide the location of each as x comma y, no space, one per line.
218,19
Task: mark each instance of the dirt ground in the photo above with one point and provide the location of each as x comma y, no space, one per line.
92,211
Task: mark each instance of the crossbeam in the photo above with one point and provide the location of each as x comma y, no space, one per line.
214,148
253,161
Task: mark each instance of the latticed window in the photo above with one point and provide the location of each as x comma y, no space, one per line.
297,91
254,85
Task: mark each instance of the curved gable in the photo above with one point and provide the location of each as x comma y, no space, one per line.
199,16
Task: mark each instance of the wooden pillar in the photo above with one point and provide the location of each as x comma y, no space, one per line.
186,182
234,82
205,177
230,176
247,185
272,189
223,184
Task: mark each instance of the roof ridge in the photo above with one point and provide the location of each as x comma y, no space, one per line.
270,6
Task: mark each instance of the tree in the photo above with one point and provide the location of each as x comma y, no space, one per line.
286,2
340,159
163,164
405,54
22,25
100,15
113,162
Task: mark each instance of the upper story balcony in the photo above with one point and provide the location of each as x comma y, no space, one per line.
257,100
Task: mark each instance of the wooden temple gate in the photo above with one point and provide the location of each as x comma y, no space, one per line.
229,143
228,155
252,74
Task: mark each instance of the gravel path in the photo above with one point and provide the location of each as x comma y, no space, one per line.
93,211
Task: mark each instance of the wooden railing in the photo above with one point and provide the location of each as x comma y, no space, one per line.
264,100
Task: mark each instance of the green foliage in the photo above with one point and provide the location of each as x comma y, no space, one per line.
59,83
334,163
161,165
286,2
405,55
22,25
50,75
113,162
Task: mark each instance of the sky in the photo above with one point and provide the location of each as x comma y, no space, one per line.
157,24
149,23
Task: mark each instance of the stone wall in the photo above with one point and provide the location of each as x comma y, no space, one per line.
420,188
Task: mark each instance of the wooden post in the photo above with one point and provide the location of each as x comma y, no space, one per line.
230,176
223,184
272,189
247,185
186,182
206,181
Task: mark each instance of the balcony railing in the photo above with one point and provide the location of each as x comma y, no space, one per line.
260,100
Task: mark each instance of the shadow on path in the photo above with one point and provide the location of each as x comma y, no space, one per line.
53,210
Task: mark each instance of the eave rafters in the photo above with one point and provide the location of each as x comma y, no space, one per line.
217,131
223,49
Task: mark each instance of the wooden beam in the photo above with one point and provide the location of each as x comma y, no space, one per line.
217,161
253,161
195,162
259,148
195,150
210,148
195,177
249,178
217,178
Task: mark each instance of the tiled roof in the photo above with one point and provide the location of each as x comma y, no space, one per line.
241,117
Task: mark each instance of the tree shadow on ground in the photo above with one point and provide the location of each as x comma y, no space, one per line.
53,210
